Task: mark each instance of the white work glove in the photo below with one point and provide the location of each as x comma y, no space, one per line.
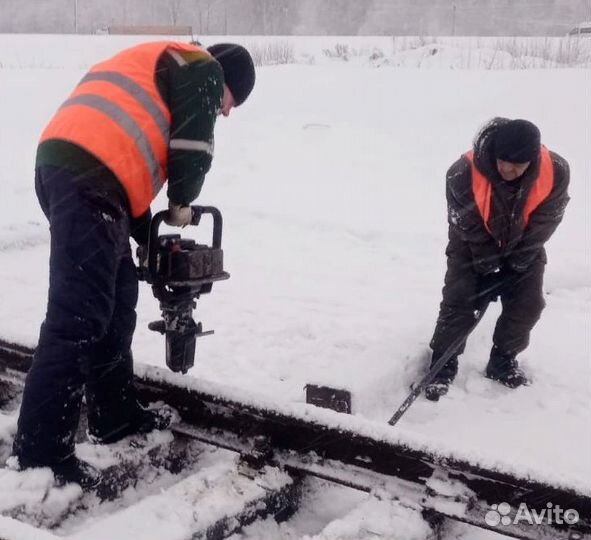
178,216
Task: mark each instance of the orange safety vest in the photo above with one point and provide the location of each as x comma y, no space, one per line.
540,190
116,114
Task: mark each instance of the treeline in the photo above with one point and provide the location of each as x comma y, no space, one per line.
301,17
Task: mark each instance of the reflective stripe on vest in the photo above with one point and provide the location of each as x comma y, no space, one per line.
116,113
540,190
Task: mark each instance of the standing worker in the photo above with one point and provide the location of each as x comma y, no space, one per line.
143,117
505,199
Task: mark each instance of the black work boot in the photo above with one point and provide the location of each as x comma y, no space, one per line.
70,471
144,421
440,384
504,368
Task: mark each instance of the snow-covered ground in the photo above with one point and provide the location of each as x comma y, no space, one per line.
331,183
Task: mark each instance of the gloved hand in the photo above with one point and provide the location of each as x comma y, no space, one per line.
485,267
490,285
178,216
521,259
518,266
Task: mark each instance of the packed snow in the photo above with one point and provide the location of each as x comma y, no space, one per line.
331,183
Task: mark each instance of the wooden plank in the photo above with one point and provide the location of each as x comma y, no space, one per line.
211,504
157,30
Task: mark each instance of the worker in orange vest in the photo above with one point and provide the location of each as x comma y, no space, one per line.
505,199
134,122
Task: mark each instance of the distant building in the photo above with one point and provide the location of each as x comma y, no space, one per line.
582,29
158,30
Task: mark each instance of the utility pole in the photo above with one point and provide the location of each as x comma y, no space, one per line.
75,16
453,21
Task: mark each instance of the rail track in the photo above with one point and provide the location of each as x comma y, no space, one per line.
236,459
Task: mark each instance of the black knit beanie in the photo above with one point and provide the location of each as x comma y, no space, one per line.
238,68
517,141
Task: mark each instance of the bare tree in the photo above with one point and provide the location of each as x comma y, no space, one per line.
174,6
390,17
273,16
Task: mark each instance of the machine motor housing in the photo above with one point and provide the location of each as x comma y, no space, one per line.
183,259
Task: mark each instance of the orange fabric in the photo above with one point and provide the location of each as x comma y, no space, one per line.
541,188
482,190
104,138
129,165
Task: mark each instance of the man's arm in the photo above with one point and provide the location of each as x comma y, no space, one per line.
140,227
195,97
465,219
544,220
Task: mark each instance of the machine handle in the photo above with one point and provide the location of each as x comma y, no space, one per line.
198,211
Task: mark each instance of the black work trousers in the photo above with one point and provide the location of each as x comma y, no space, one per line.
466,296
85,340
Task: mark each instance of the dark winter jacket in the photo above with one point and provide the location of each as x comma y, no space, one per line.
508,243
192,90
